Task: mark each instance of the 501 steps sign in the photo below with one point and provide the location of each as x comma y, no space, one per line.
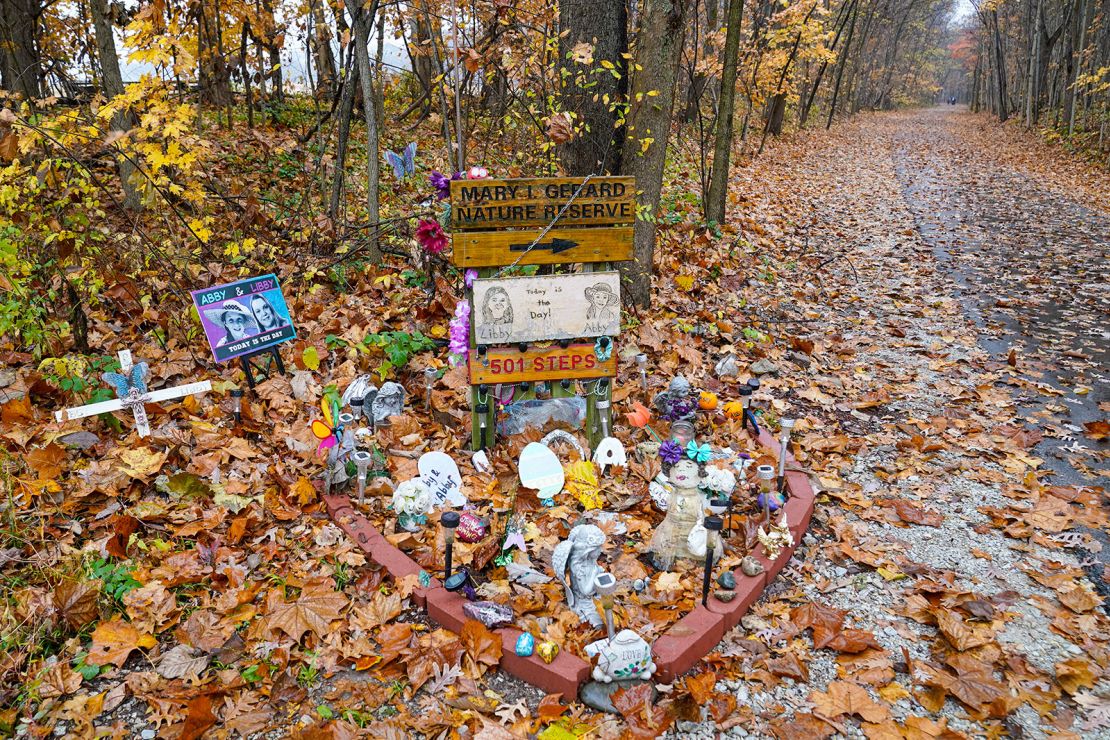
526,205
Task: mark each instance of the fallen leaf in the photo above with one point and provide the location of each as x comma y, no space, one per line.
848,698
113,642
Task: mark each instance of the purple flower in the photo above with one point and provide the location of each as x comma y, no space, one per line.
459,333
678,409
670,452
441,183
470,276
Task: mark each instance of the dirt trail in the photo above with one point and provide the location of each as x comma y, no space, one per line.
927,333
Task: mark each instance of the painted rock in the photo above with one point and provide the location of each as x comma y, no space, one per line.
774,501
727,580
750,566
725,596
540,470
547,650
440,475
525,645
626,656
489,613
471,527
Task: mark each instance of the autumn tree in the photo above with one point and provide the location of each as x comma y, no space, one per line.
20,62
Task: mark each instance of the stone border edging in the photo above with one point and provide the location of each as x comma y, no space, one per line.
675,651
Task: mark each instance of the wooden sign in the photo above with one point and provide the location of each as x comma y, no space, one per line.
510,365
558,246
535,309
530,202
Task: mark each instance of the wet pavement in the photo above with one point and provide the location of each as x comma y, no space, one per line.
1032,262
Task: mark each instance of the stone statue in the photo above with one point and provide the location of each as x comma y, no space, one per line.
625,657
685,512
677,403
390,401
575,563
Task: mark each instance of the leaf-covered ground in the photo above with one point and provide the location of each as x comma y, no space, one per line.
949,586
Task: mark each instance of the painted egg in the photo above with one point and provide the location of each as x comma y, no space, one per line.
471,527
525,644
547,651
541,470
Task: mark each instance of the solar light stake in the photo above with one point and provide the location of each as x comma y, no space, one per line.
362,460
429,381
237,404
766,475
713,525
641,361
358,408
482,409
461,581
602,407
784,444
605,585
449,520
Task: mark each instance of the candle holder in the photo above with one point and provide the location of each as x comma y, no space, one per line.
449,520
237,404
641,362
713,526
429,380
362,460
682,432
461,582
786,425
605,585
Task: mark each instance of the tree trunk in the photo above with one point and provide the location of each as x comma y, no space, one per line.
604,25
20,59
1000,68
325,59
722,146
112,82
659,46
363,21
700,82
346,107
841,64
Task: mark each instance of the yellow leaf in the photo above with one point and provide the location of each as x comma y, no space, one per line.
311,358
304,491
890,574
685,282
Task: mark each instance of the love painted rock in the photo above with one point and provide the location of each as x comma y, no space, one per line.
471,527
525,645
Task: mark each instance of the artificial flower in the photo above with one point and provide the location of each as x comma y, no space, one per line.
470,276
431,236
670,452
639,416
459,333
719,480
477,173
412,497
679,408
442,184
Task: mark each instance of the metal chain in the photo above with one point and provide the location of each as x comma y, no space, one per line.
546,229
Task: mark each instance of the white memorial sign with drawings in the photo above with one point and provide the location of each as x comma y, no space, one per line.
534,309
440,474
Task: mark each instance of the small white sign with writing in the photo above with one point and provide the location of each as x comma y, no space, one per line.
534,309
440,474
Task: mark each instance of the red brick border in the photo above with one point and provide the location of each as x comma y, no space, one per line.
676,651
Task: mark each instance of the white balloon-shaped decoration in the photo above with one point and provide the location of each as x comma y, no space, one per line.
610,451
440,475
541,470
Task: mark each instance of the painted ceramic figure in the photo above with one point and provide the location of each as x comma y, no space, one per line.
672,539
624,657
677,403
574,561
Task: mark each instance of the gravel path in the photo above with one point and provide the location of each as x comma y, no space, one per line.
883,197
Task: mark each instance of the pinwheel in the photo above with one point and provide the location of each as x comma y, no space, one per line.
328,430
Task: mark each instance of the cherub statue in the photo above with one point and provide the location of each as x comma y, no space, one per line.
390,401
677,402
575,563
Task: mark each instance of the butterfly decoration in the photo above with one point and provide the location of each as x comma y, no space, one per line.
698,454
135,380
403,164
328,430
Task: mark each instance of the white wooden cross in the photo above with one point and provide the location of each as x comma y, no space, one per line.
134,400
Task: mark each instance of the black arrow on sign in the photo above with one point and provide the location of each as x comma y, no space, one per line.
555,245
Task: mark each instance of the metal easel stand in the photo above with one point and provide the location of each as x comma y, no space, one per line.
265,371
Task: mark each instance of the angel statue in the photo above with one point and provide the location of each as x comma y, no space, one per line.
575,563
